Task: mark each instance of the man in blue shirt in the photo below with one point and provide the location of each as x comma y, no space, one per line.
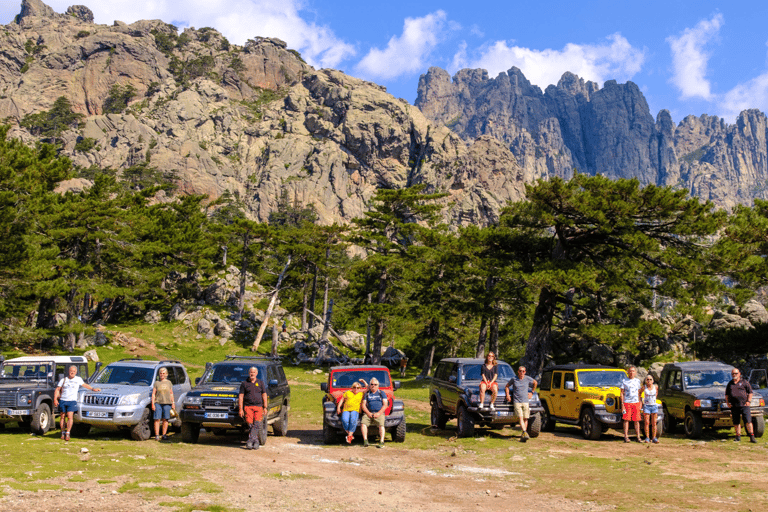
374,411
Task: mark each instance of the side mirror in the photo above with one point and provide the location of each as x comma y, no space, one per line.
569,385
208,366
396,385
452,379
324,386
197,381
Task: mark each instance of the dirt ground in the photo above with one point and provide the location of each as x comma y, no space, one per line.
299,473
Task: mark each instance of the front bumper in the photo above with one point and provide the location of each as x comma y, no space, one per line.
392,420
110,417
212,419
502,414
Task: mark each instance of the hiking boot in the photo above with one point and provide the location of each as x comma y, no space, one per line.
164,438
381,444
365,443
752,439
66,436
737,439
655,440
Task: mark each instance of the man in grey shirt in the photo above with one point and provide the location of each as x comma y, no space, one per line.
522,390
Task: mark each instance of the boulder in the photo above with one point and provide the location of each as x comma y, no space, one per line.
91,355
721,320
176,314
153,317
755,312
602,354
204,327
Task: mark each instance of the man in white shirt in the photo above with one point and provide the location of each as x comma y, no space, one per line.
630,403
66,396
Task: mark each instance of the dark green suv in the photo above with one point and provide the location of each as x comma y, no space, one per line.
212,403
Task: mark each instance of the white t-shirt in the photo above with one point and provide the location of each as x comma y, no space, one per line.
69,388
649,395
631,389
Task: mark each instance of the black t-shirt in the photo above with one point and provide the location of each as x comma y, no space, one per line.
738,392
489,374
251,392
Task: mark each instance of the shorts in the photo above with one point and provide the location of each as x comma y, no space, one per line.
369,422
253,413
522,410
162,411
67,406
492,385
651,409
738,412
633,412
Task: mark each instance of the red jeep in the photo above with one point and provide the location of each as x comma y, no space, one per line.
340,380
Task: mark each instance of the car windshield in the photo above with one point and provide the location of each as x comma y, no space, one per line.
25,371
600,379
345,379
472,372
706,378
231,373
131,375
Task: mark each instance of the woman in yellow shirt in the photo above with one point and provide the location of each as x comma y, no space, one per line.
349,410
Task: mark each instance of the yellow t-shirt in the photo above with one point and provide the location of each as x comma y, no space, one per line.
352,401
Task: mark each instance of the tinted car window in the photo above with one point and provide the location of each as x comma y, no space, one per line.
171,374
282,375
232,373
472,371
181,377
600,378
557,380
342,379
271,374
125,375
546,380
706,378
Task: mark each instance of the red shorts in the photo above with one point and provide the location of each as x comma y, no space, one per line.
633,412
253,413
492,385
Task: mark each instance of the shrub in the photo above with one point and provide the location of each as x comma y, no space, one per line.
85,144
119,96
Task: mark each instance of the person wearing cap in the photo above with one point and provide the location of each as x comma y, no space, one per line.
374,407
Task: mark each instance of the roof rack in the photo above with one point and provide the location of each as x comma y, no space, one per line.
127,359
266,358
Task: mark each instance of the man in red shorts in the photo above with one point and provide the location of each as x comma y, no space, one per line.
252,400
630,403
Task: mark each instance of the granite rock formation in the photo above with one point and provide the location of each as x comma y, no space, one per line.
609,130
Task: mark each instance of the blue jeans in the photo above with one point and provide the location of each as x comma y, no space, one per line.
162,411
349,420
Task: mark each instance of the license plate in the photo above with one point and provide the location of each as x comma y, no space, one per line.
503,413
216,415
97,414
15,412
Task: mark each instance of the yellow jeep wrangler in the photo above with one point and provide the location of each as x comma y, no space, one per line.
585,395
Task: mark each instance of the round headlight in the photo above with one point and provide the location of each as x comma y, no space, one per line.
610,401
24,400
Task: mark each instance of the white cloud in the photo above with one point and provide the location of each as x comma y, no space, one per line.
690,58
751,94
408,52
238,20
614,59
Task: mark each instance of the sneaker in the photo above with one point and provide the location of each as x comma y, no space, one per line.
365,443
752,439
646,440
481,406
66,438
493,407
164,438
525,435
349,438
523,439
255,446
737,439
63,435
381,444
157,438
655,440
626,439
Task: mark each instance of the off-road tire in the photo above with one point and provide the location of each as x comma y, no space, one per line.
590,427
758,425
263,430
670,422
465,425
41,420
438,417
693,425
280,426
329,434
80,430
142,431
547,422
534,425
190,432
398,433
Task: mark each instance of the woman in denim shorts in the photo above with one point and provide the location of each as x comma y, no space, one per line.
649,393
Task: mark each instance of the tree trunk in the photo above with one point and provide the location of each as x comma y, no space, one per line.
271,306
275,337
46,310
327,322
381,322
539,343
367,358
243,275
304,305
480,349
433,333
493,342
312,299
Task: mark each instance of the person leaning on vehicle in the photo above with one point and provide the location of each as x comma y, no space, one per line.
252,401
738,396
374,411
522,386
630,403
67,390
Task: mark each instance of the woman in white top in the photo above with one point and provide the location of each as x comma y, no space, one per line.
649,392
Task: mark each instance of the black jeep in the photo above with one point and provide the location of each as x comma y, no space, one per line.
693,393
27,385
455,393
212,403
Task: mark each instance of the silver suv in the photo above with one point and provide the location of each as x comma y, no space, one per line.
124,402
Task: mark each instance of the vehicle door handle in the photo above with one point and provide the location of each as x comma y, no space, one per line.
562,396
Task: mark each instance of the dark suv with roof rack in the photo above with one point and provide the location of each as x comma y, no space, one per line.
455,393
693,393
212,403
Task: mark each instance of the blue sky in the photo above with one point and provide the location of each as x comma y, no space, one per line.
690,57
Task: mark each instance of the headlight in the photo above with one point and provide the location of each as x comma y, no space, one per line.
24,400
130,399
193,400
610,401
704,404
